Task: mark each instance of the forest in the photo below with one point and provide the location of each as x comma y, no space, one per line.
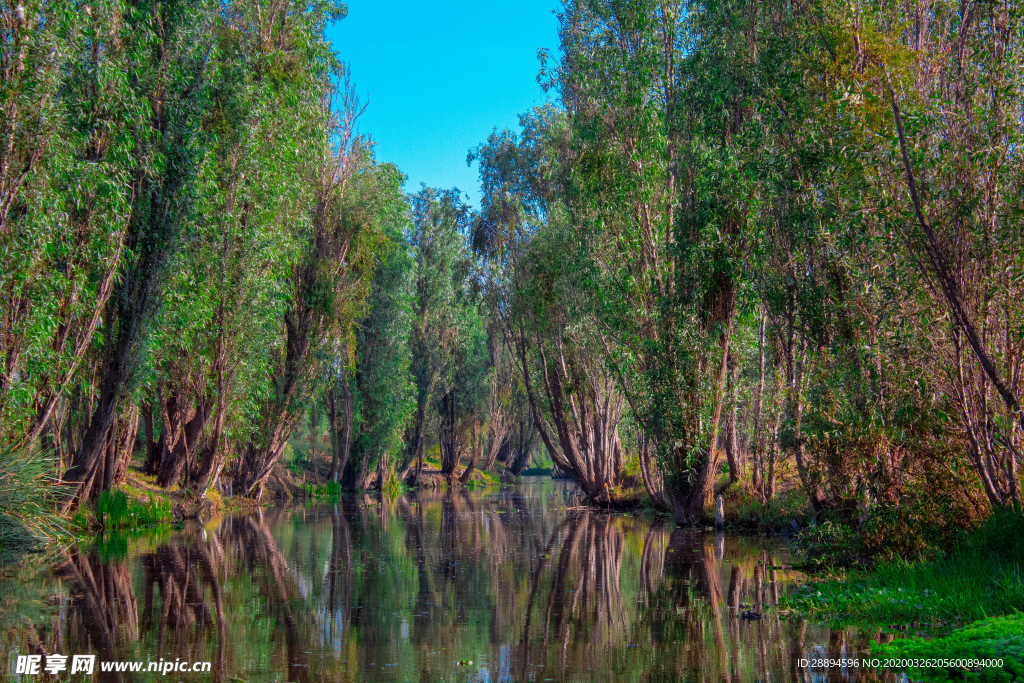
770,250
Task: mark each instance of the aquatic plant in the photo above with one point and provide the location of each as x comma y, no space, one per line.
117,510
329,490
1000,638
27,489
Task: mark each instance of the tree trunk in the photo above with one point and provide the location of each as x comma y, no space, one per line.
464,478
731,436
448,437
211,458
183,424
652,482
757,473
341,429
152,444
119,448
689,503
416,443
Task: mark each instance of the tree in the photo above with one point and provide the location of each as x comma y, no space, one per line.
381,388
446,341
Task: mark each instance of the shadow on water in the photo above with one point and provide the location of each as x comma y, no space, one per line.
516,585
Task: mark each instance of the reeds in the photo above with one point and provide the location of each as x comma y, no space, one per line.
28,494
116,510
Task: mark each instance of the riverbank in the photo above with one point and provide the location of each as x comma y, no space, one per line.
980,575
988,650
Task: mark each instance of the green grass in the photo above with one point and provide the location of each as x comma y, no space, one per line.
994,638
28,497
330,490
483,479
981,575
117,510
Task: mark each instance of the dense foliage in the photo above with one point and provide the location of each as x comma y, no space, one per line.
790,233
191,224
751,246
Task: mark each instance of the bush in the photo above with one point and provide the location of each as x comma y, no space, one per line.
775,515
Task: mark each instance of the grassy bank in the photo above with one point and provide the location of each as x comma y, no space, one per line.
996,638
139,502
980,575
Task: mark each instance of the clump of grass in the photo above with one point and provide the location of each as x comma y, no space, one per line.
482,479
329,490
117,510
981,575
28,491
1000,638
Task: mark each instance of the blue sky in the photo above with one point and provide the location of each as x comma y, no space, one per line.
439,76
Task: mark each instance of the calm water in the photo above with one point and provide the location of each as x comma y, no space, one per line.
510,585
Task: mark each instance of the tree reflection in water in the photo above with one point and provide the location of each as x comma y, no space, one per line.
415,587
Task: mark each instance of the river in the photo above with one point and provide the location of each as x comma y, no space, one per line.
517,584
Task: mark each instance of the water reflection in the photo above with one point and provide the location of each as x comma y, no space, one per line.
519,585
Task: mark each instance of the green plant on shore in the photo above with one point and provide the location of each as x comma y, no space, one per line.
981,575
331,489
775,515
999,638
537,472
117,510
27,489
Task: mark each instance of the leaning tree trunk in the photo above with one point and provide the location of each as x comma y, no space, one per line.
583,440
210,460
757,452
87,461
153,446
468,472
497,429
653,482
119,448
690,485
690,499
520,456
731,430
